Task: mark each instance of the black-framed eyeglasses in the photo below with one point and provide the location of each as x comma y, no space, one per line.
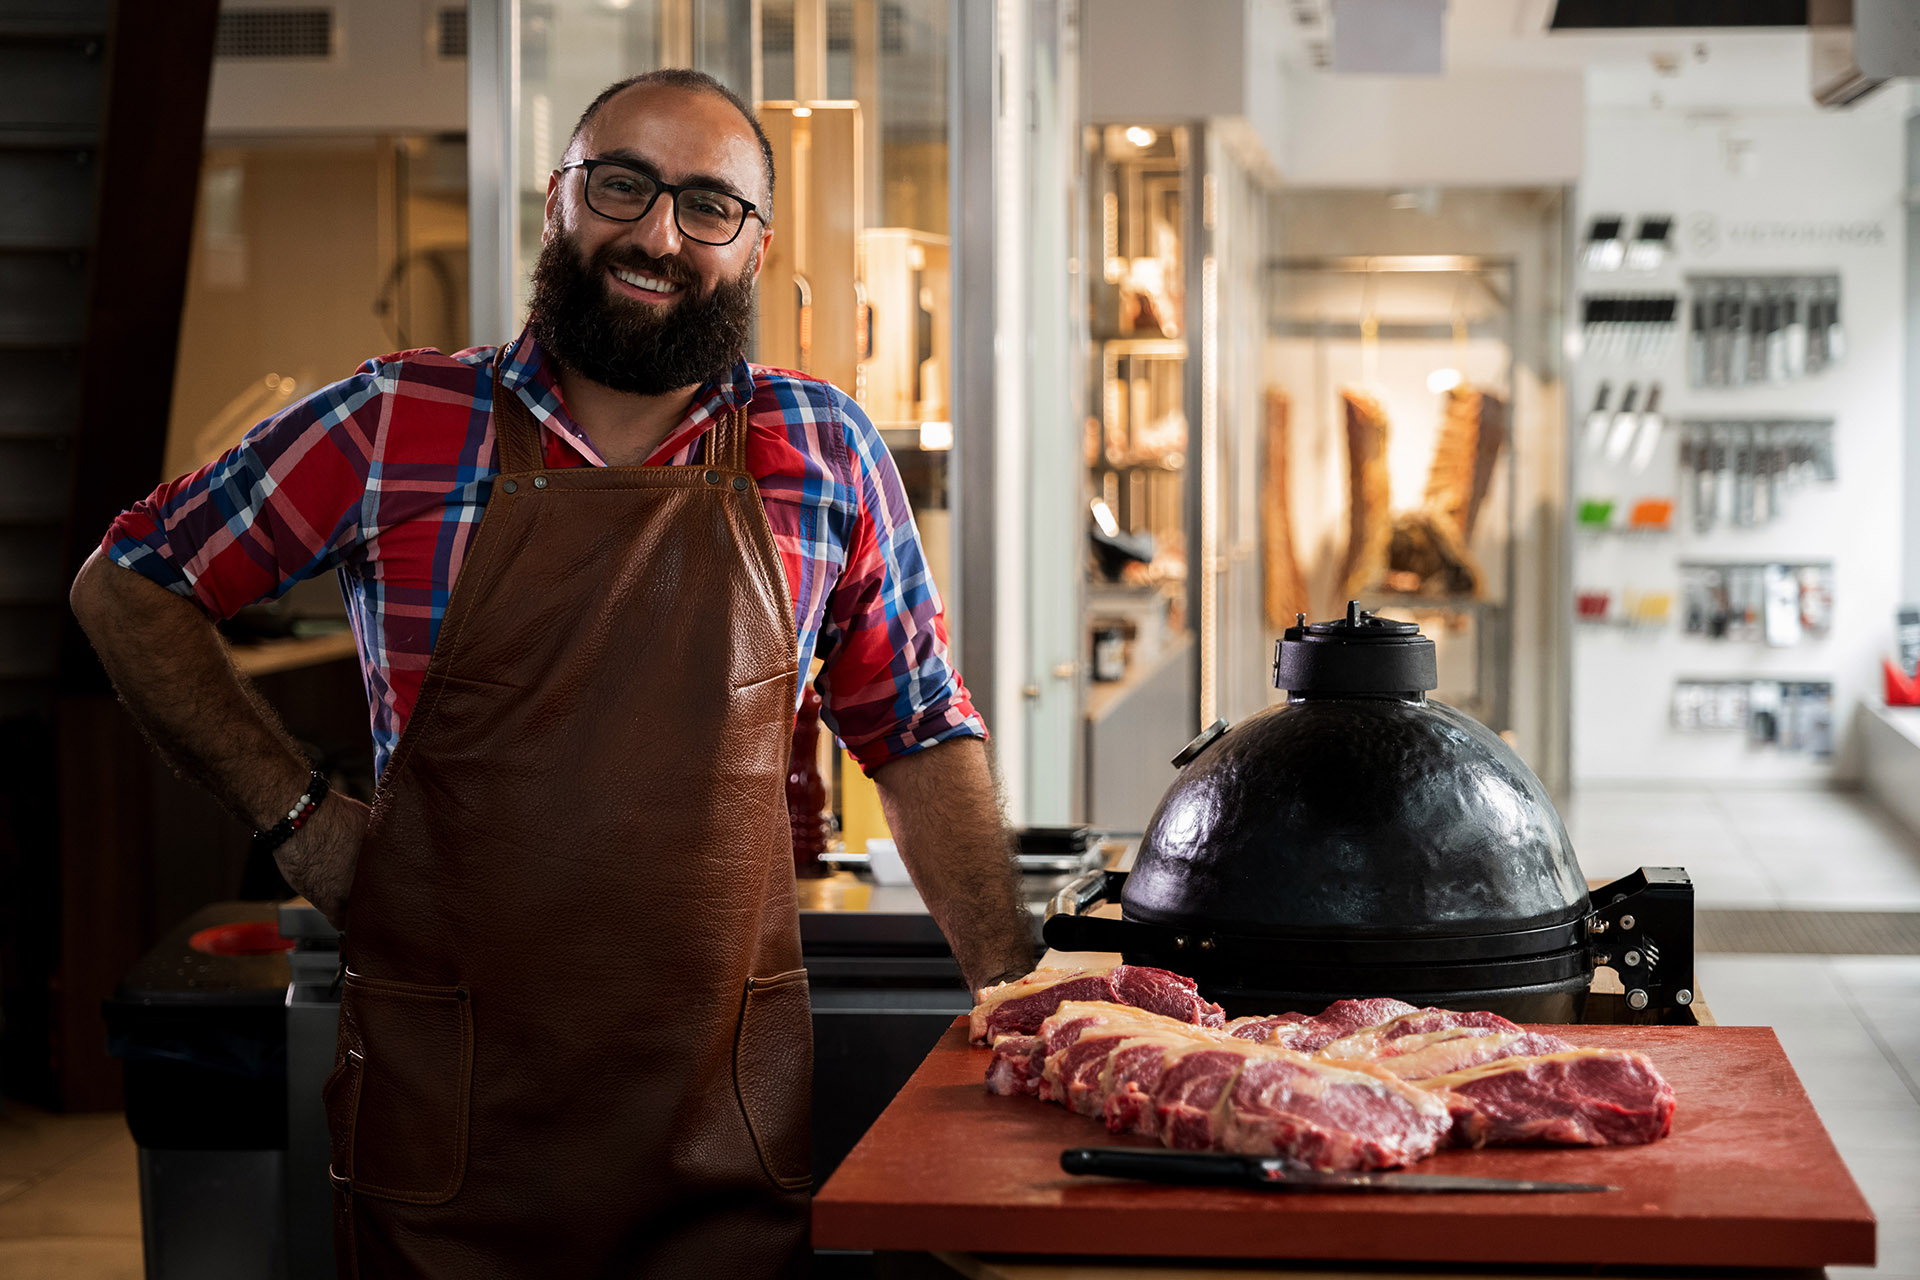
626,194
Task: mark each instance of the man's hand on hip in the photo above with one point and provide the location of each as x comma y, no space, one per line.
319,859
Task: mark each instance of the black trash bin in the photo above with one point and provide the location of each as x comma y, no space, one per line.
200,1023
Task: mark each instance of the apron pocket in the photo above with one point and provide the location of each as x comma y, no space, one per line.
773,1075
397,1104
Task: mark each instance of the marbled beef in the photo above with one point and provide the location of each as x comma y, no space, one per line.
1584,1097
1019,1007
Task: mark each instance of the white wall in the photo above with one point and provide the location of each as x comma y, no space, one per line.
1787,167
1475,126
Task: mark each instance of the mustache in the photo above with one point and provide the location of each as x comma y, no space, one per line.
629,258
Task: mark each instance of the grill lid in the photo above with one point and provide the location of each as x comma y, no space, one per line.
1356,810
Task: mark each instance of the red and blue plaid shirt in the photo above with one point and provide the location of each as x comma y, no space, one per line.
383,479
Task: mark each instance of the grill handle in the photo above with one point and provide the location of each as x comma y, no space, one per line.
1068,927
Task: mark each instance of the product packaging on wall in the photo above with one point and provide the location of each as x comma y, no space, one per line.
1779,604
1795,716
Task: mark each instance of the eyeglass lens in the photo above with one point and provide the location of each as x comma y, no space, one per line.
712,217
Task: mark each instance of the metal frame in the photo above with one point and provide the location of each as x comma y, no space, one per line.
973,190
493,106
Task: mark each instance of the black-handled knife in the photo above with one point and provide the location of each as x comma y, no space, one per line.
1212,1168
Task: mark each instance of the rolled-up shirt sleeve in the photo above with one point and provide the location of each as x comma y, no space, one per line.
888,679
282,505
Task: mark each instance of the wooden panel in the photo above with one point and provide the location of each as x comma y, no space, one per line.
1748,1178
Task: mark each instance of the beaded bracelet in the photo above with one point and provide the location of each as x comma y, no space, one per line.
277,834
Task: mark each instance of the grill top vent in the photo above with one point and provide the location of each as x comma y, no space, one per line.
280,33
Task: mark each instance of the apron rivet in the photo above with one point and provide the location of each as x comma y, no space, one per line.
460,993
740,483
510,486
539,482
713,477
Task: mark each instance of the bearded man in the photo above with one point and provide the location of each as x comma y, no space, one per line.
585,571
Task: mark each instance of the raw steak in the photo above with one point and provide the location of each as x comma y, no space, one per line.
1200,1088
1020,1006
1584,1097
1016,1067
1438,1053
1331,1117
1389,1037
1309,1035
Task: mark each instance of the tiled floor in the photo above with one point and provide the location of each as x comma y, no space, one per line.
1850,1024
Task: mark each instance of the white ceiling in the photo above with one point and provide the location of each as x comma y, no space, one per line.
1655,69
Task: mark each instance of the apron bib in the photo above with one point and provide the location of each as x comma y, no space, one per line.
574,1027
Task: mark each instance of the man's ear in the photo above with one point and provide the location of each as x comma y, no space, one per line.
760,252
552,206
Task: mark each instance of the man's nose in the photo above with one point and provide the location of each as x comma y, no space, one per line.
657,232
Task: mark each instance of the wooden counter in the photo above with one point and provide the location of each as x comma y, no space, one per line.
1748,1179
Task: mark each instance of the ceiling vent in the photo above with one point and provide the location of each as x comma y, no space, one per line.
306,34
450,33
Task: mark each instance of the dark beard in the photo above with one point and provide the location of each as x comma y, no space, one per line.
630,346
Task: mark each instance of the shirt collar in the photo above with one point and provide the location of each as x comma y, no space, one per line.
528,370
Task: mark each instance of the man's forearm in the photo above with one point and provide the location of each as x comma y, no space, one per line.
177,679
945,814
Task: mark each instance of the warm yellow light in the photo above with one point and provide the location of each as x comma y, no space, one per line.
1141,136
801,113
1441,380
1103,516
936,437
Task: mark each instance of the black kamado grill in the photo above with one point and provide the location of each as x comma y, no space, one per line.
1359,840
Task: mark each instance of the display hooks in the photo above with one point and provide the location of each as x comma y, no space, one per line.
1369,330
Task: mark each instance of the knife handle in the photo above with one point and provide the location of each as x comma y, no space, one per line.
1209,1167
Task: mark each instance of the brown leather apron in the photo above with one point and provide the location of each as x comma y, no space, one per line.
574,1031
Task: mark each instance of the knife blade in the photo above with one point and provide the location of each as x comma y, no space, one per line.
1211,1168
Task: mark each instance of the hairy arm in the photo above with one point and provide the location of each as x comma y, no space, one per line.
177,679
942,806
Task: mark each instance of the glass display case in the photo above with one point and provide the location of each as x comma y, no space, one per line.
1392,387
1137,433
1172,628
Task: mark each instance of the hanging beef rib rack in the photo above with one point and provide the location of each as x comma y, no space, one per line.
1358,841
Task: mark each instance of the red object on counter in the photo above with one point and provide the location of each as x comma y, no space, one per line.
1748,1179
1903,690
249,938
807,791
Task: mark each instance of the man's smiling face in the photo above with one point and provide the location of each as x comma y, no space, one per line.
680,136
639,306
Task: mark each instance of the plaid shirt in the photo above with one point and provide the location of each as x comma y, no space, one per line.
383,478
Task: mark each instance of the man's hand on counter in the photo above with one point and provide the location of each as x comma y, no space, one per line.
318,860
944,811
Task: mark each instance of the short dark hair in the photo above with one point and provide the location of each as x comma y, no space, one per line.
698,81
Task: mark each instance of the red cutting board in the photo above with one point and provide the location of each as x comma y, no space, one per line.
1748,1178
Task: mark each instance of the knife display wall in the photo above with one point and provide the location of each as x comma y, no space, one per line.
1762,330
1739,473
1629,328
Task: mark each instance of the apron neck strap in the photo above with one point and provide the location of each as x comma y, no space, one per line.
519,435
515,430
726,444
